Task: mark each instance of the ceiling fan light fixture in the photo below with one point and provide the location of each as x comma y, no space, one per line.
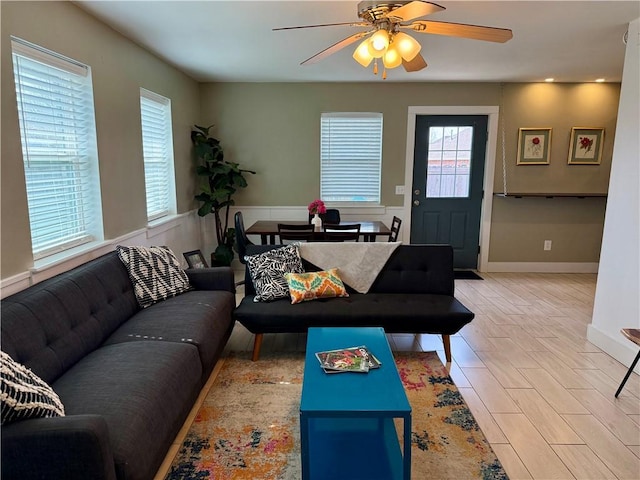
407,46
362,55
392,57
378,43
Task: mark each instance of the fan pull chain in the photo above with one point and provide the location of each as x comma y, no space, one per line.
375,66
384,73
502,128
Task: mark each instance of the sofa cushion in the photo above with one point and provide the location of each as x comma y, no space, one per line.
314,285
267,272
51,325
155,273
395,312
144,391
24,394
201,317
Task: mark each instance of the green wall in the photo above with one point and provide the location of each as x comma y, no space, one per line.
119,69
274,129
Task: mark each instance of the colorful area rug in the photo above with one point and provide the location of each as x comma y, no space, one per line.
248,425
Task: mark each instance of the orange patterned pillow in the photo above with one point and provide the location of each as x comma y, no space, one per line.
314,285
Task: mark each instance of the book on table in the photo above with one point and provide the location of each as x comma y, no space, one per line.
351,359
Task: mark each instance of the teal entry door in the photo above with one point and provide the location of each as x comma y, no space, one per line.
448,171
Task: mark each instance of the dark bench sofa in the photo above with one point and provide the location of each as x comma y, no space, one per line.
414,293
127,376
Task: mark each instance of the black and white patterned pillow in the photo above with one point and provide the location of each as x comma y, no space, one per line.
155,273
267,272
24,394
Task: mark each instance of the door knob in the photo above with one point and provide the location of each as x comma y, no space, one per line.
416,202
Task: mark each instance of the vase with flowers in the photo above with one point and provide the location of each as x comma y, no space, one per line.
317,208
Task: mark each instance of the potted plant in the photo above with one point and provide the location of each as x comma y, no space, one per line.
220,180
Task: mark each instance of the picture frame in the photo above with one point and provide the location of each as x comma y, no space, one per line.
585,146
534,146
195,259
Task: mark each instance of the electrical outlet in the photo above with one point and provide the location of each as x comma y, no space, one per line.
399,189
547,244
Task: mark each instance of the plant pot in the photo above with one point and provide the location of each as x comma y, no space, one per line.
222,256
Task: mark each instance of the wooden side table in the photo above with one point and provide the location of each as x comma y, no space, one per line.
632,334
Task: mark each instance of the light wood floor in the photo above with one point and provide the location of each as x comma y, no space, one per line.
542,394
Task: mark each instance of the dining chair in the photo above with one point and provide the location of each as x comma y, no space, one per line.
241,241
295,232
241,237
395,229
332,216
342,233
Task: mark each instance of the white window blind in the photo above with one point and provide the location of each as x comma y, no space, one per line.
57,131
157,145
350,157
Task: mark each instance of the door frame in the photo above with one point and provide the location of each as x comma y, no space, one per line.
492,113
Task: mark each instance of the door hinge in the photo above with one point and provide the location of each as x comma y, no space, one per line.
478,248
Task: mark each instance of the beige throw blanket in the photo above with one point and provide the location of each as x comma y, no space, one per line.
358,263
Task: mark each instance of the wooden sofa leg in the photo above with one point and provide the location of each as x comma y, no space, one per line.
257,343
446,340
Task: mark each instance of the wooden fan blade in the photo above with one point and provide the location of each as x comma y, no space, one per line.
415,9
418,63
335,47
475,32
350,24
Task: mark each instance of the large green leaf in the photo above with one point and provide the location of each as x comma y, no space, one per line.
220,180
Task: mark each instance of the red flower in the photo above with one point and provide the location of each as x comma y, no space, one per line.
535,141
586,143
317,206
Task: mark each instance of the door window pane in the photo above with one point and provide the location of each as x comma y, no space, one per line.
449,161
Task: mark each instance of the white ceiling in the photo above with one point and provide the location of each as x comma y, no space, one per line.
232,41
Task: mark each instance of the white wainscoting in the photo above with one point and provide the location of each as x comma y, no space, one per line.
181,233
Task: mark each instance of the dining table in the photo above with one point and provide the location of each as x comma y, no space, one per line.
268,229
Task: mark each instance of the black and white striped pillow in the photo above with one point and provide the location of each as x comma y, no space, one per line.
267,272
155,273
24,394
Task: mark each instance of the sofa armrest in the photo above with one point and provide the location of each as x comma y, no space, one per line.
75,447
212,278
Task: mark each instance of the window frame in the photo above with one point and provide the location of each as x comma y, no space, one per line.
370,157
56,115
168,200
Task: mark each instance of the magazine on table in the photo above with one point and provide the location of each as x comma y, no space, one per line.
351,359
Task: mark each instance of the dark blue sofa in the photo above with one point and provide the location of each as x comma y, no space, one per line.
127,377
414,293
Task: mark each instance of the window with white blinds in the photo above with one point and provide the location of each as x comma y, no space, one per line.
350,157
57,130
157,145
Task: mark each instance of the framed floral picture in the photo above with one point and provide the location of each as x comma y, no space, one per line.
585,147
534,146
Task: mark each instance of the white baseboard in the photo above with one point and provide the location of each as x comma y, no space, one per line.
619,348
542,267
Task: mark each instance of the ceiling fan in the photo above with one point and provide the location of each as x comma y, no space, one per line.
384,38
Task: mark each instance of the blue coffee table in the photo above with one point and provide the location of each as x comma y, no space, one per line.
347,427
